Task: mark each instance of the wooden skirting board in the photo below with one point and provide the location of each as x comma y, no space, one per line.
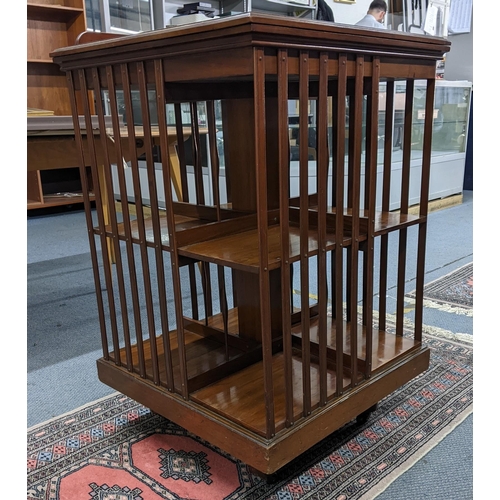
435,205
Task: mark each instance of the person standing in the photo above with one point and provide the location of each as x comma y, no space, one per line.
375,16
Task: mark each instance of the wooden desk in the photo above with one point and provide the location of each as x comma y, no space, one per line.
51,145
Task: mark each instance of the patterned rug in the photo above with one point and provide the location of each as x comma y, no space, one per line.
116,449
454,289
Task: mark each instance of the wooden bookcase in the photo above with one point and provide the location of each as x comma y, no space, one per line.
51,24
258,321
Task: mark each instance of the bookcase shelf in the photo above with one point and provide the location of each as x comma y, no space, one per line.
47,12
51,24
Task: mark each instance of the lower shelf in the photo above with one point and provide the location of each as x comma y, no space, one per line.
266,455
56,201
228,378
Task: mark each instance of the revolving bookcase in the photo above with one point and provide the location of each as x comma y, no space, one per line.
248,309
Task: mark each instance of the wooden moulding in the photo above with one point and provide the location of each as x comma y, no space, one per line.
258,28
267,456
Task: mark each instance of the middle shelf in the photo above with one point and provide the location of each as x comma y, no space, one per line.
234,242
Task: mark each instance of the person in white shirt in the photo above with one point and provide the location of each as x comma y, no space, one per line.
375,16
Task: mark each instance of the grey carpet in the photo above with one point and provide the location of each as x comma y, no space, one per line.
63,340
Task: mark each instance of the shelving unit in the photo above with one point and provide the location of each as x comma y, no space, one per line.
306,8
252,321
51,24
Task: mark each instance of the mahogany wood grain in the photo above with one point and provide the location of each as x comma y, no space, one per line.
266,456
50,25
322,183
225,33
386,193
370,201
239,396
424,205
239,250
106,186
252,361
338,161
35,194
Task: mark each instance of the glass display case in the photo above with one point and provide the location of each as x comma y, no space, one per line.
119,16
449,138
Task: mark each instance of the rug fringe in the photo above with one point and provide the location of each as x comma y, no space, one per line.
432,330
463,311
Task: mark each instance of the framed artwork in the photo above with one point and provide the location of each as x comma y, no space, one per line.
345,1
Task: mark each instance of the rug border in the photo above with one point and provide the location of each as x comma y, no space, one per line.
451,272
379,488
428,330
448,306
384,483
436,331
74,410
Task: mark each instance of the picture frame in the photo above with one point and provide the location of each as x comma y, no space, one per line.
345,1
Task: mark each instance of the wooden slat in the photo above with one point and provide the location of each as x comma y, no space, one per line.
126,215
223,305
196,148
99,196
370,197
405,194
424,190
284,182
338,174
322,182
184,196
125,71
214,156
355,196
71,76
111,210
304,223
386,195
207,289
162,123
153,195
181,153
174,257
261,192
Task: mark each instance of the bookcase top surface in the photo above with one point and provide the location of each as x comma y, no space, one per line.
253,29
